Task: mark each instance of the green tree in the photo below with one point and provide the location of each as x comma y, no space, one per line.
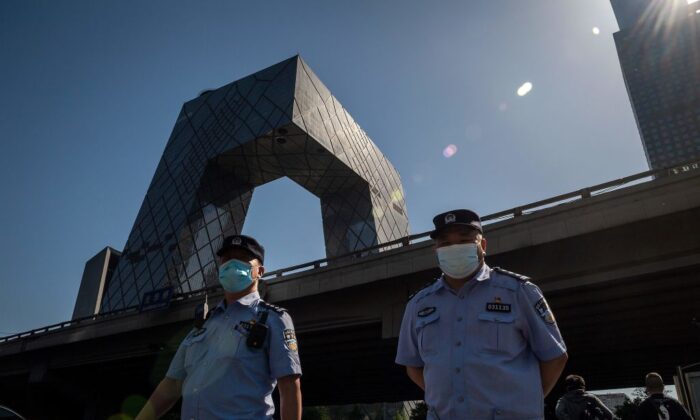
419,412
316,413
628,409
400,415
356,413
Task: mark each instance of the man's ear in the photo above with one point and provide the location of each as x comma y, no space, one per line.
483,244
261,271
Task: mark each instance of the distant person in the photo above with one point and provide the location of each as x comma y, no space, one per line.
658,406
228,367
577,404
480,341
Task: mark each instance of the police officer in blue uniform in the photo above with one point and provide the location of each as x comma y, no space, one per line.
480,341
228,367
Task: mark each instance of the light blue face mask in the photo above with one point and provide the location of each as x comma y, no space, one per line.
459,261
235,275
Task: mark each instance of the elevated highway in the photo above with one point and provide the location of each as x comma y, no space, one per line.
618,263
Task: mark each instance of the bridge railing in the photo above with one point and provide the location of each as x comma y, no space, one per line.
102,316
500,216
512,213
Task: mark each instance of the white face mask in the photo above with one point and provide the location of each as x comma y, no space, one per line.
458,261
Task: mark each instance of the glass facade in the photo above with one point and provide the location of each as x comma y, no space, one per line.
279,122
659,50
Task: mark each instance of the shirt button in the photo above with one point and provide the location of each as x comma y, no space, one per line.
460,399
459,319
457,370
459,343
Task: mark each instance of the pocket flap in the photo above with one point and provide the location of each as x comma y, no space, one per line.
425,320
497,317
194,338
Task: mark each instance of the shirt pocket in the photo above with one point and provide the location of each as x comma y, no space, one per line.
195,349
229,343
427,331
498,333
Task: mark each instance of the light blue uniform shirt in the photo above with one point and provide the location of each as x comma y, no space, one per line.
480,347
224,377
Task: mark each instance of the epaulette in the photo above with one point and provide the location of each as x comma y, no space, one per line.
511,274
425,286
272,307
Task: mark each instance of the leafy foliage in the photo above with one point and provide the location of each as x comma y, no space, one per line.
419,412
628,409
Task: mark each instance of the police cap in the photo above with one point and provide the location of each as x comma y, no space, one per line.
456,217
245,242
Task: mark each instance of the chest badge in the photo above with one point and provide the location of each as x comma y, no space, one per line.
498,306
426,311
244,327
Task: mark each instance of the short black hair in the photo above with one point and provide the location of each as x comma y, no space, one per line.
654,382
574,382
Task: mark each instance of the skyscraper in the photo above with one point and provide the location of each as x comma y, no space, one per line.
279,122
659,49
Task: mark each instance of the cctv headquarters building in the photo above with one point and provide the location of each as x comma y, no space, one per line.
279,122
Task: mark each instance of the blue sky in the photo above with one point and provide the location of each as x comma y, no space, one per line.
90,91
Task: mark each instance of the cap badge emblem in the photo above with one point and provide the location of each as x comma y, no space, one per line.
450,218
236,241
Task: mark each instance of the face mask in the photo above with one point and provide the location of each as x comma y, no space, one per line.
458,261
235,275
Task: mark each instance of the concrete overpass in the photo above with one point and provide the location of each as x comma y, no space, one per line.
618,264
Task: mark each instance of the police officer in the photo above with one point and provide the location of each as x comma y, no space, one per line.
228,367
480,341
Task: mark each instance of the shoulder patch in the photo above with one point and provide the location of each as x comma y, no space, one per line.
544,312
272,307
425,286
511,274
290,340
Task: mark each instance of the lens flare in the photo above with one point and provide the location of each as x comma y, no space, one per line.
661,17
596,30
524,89
449,151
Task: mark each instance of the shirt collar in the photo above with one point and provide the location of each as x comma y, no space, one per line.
483,274
248,300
